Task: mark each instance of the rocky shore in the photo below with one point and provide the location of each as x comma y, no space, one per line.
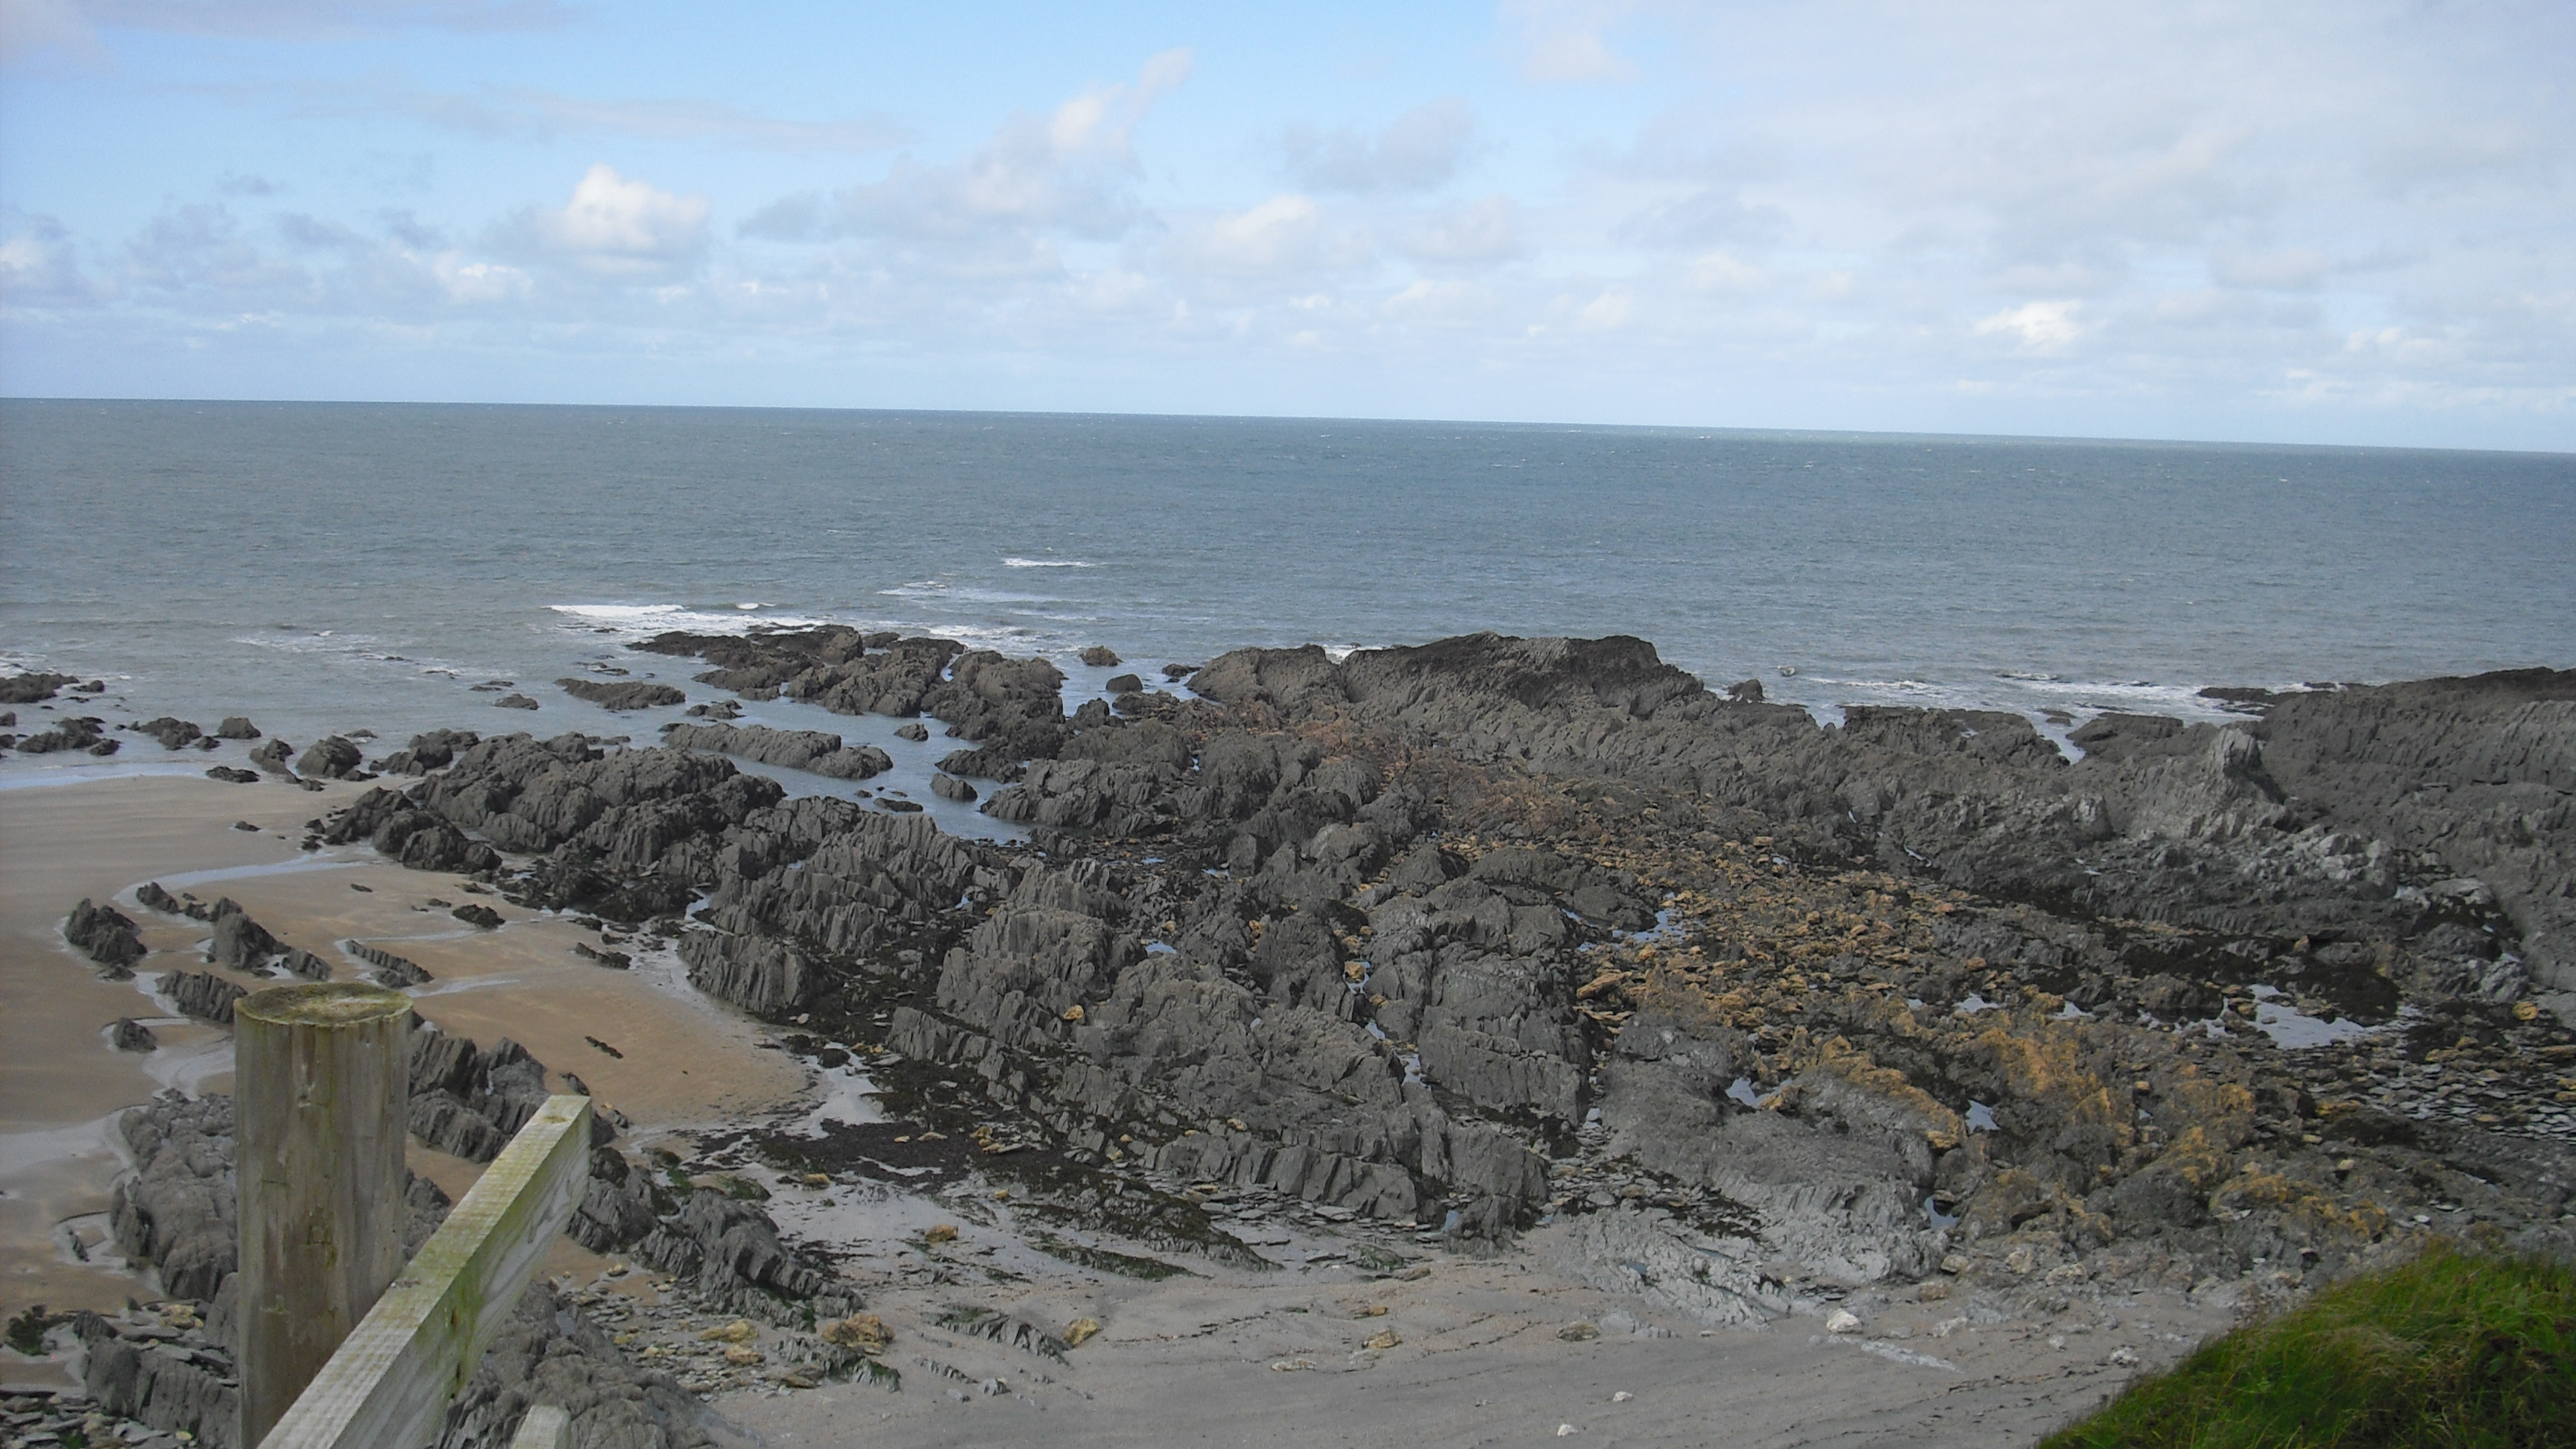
1485,951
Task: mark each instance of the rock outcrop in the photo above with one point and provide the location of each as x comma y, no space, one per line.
812,750
623,695
106,936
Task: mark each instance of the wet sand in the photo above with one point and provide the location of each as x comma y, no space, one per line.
687,1061
1481,1357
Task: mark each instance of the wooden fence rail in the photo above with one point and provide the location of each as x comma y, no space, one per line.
389,1384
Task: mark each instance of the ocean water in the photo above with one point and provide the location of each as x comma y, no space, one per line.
334,567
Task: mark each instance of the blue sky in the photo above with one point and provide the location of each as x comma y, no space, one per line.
2344,222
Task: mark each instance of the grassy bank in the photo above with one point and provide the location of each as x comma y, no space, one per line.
2451,1349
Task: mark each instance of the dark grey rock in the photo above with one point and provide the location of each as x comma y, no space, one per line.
106,936
331,758
31,687
390,969
236,727
174,734
631,694
202,994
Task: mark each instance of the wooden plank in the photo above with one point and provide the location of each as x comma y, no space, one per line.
390,1384
545,1427
322,1083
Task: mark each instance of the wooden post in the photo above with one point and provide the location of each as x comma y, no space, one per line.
322,1084
389,1386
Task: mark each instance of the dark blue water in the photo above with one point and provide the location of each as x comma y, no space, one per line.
337,566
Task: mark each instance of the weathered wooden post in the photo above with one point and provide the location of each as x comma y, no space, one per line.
322,1088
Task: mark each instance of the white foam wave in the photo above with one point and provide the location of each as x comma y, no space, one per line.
1013,561
641,621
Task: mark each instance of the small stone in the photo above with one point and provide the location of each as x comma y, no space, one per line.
863,1331
742,1357
1934,1291
1081,1331
1566,1430
738,1331
1955,1264
1578,1332
1621,1397
1384,1338
944,1233
2123,1358
1843,1321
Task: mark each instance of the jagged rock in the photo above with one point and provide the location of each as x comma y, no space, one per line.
390,970
129,1035
32,687
240,943
468,1103
166,1386
1101,656
174,734
177,1210
435,750
762,976
306,965
550,1353
202,994
949,787
106,936
271,757
478,915
236,727
151,896
514,701
331,758
631,694
730,1251
78,734
814,750
916,731
230,776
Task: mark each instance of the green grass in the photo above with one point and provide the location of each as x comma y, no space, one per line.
2452,1349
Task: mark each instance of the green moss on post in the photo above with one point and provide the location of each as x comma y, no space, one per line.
322,1090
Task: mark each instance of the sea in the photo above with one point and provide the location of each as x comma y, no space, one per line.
329,568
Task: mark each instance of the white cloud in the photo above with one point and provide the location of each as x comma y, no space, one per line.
1444,304
480,282
1563,41
38,269
1610,311
1470,234
1073,171
1418,151
614,227
2295,270
2040,326
1283,237
526,113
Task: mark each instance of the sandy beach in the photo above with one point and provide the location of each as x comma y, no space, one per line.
687,1061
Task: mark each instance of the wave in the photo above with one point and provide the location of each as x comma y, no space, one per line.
1014,561
644,620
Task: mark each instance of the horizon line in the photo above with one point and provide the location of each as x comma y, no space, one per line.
1868,434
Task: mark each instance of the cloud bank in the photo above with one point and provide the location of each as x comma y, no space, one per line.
2007,216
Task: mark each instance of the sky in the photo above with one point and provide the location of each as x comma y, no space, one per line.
2347,222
